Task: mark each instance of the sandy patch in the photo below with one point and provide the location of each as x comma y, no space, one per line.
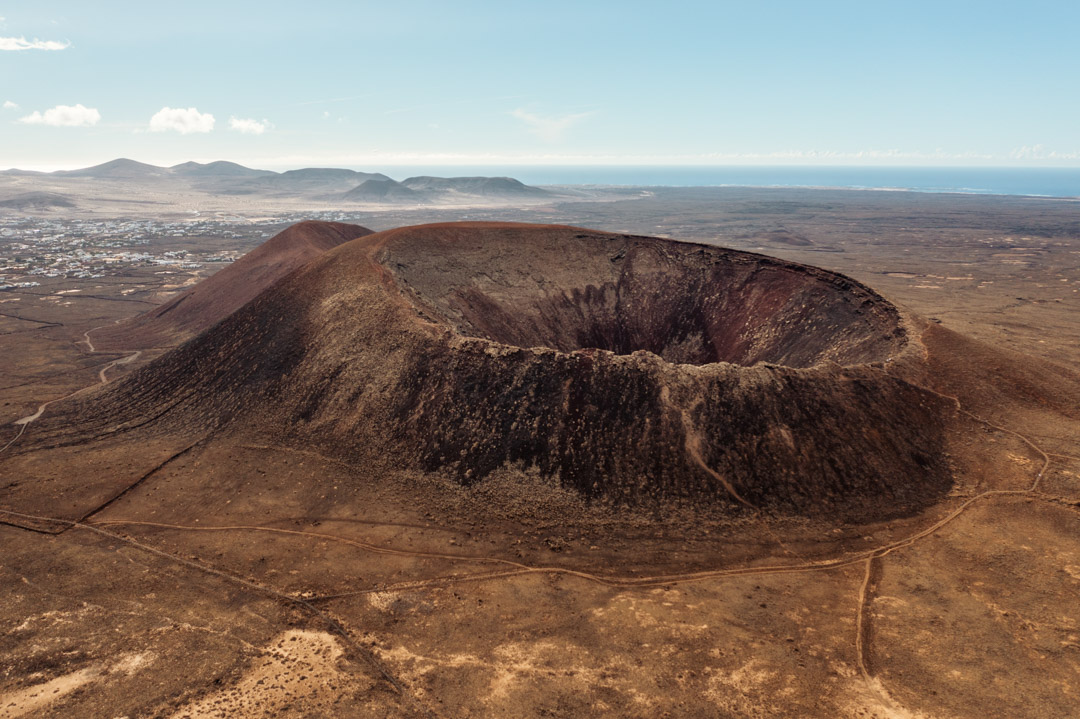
296,675
873,701
382,601
746,691
31,699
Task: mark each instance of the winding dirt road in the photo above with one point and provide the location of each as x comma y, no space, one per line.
102,379
871,558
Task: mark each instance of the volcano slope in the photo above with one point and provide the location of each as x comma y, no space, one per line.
629,369
507,470
189,313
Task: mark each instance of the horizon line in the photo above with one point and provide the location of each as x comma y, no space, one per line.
502,162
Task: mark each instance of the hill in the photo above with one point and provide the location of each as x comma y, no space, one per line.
387,190
329,174
213,299
320,180
124,184
117,169
483,186
628,369
220,168
37,201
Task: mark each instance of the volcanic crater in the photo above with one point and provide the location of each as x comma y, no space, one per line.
631,370
689,304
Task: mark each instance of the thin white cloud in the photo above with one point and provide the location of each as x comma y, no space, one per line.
185,121
550,129
21,43
1038,152
9,105
63,116
249,126
1028,152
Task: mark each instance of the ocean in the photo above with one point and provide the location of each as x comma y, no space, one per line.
1034,182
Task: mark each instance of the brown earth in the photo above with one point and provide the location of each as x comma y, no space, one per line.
210,301
629,369
219,559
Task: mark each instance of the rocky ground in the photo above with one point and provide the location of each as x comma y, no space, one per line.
238,578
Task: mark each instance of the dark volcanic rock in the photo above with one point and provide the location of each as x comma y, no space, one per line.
688,303
632,369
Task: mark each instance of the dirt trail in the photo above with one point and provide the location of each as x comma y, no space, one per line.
638,581
867,557
607,580
102,379
332,624
694,442
871,559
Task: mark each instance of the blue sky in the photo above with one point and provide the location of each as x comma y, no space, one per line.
364,84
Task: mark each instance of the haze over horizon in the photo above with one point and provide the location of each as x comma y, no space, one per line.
485,84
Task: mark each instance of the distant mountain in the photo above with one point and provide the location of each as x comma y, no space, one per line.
117,169
316,184
484,186
375,190
37,201
221,168
434,189
329,174
130,169
23,173
325,180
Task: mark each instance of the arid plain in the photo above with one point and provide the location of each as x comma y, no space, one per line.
218,575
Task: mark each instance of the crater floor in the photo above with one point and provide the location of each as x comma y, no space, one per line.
691,304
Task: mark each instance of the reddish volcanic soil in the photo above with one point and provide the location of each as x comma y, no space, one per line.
215,298
629,369
482,469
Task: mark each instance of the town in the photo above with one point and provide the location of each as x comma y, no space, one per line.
33,248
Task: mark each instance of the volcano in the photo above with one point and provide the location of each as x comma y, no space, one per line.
629,369
213,299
